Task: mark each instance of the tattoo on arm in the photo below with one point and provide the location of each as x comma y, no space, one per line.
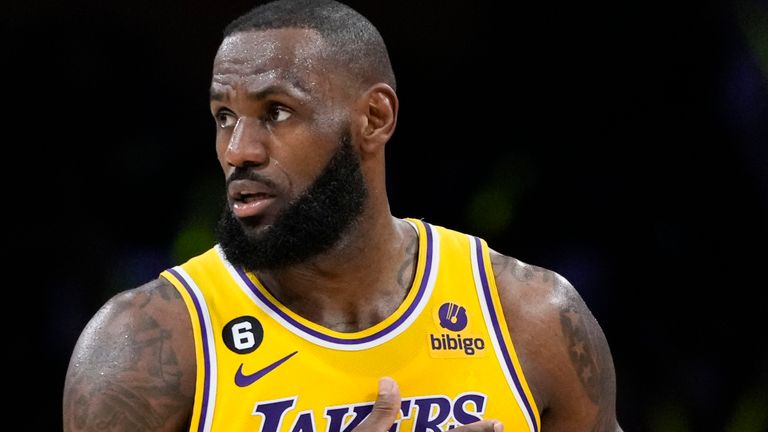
581,352
591,359
132,381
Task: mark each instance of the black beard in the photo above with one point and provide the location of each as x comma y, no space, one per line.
312,224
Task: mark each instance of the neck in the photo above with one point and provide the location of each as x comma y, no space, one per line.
358,283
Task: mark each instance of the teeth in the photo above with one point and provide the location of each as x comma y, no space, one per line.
248,197
251,196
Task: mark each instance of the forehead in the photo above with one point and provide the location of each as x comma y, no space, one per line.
290,54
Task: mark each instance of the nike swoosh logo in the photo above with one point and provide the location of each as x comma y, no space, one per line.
242,380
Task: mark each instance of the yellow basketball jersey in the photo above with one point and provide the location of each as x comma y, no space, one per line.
261,367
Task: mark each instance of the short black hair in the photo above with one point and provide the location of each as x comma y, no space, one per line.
353,41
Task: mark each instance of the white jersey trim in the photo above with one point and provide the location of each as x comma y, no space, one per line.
507,369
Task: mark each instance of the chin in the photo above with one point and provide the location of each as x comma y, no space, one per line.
253,225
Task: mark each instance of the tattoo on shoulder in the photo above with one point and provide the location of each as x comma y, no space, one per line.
163,290
519,270
168,292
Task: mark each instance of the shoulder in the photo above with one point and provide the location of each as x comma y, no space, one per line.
155,305
530,293
133,367
561,347
157,299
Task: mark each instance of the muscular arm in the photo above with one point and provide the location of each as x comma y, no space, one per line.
133,368
561,347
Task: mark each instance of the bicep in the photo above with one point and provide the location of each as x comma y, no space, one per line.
586,369
133,366
561,347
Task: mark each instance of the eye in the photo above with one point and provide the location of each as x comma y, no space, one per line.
225,119
278,113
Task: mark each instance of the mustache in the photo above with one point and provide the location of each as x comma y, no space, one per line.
251,174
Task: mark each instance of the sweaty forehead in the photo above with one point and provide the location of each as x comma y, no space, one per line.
289,53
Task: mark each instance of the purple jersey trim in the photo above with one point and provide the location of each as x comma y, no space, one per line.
361,340
206,352
499,335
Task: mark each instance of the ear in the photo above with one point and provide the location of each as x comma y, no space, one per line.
379,116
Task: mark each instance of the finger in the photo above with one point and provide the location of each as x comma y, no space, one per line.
385,408
481,426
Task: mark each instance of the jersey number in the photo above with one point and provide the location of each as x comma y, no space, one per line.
243,334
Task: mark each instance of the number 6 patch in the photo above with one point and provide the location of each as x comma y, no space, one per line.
243,334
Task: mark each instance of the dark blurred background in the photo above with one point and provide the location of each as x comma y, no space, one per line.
622,144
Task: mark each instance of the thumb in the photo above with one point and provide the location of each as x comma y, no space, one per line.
385,408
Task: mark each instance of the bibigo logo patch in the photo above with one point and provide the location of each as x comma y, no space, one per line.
455,337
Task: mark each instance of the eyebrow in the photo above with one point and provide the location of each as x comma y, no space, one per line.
300,91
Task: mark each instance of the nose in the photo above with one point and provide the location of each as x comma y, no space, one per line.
248,144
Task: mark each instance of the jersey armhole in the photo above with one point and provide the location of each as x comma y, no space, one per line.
488,294
198,313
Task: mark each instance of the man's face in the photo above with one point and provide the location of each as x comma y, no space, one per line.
311,224
294,183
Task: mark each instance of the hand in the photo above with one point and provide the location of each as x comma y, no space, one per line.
481,426
387,406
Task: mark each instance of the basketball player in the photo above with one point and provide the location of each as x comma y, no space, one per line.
318,310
